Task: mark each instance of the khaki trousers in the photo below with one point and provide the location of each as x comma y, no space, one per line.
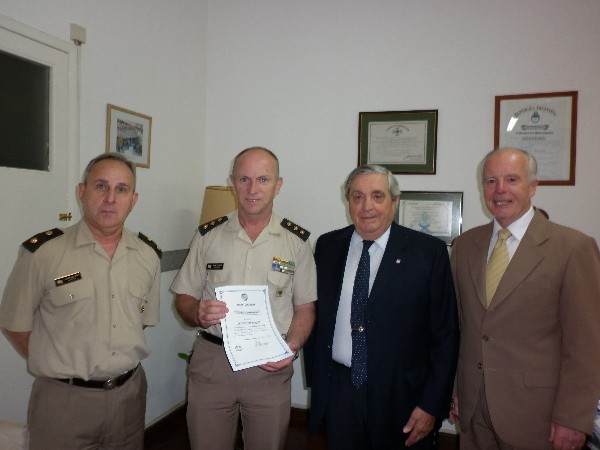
217,396
66,417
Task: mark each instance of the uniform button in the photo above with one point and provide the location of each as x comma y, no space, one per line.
485,338
114,353
114,326
480,366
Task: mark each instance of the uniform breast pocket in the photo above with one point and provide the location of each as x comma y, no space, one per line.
214,280
138,290
70,304
280,285
138,295
72,292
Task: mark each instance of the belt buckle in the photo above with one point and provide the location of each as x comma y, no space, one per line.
110,384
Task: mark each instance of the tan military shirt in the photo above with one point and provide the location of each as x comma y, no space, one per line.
86,313
225,256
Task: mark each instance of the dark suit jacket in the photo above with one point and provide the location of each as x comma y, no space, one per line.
411,326
538,345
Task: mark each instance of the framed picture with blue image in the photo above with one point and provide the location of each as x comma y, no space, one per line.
128,133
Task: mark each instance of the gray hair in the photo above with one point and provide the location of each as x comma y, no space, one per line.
112,156
393,185
531,162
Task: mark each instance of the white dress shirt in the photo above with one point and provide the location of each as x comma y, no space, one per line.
342,335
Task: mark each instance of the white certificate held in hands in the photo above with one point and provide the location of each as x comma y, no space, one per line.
250,336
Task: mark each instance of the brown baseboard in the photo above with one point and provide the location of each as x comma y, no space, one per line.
170,432
299,419
175,415
174,423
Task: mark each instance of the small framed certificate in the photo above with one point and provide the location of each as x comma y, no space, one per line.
436,213
545,126
404,142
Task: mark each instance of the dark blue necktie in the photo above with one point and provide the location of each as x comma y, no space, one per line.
360,294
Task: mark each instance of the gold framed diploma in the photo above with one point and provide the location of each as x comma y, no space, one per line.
543,124
436,213
405,142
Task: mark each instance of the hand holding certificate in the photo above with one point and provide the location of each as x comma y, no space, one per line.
250,336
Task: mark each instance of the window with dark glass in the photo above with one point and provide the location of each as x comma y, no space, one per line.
24,113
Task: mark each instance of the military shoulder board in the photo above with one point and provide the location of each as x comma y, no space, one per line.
206,227
295,229
151,243
35,242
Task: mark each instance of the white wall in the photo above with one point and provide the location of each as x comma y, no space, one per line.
221,75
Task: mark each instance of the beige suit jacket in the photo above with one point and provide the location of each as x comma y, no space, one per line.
537,347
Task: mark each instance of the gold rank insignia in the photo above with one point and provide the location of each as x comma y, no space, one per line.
295,229
151,243
206,227
35,242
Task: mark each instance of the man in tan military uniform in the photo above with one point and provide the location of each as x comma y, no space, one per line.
253,246
75,306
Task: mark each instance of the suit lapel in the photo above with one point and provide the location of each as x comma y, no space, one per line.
478,261
336,260
525,259
391,263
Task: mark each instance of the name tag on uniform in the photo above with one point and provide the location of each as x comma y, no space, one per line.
214,266
283,266
67,279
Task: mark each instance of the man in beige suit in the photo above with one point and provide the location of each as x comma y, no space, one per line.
529,363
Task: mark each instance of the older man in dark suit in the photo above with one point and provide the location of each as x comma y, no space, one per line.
529,367
381,374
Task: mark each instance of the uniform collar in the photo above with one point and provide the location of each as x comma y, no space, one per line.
273,227
84,236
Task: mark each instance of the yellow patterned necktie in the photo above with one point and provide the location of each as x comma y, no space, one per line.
496,265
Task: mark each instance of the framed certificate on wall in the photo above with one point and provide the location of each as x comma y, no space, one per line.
404,142
436,213
545,126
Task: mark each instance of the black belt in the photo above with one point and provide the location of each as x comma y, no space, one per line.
107,385
211,338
